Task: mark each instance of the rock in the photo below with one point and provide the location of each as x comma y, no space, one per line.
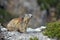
3,29
21,7
1,34
15,35
39,29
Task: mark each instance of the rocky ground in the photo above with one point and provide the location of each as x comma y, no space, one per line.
14,35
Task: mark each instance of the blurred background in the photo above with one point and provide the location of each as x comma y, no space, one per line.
43,11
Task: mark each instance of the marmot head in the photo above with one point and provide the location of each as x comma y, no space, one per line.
27,17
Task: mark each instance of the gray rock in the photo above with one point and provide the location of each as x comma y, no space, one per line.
21,7
14,35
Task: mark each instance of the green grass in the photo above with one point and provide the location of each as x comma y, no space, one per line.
5,16
33,38
53,30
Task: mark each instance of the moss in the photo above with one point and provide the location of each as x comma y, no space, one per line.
52,30
4,16
33,38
